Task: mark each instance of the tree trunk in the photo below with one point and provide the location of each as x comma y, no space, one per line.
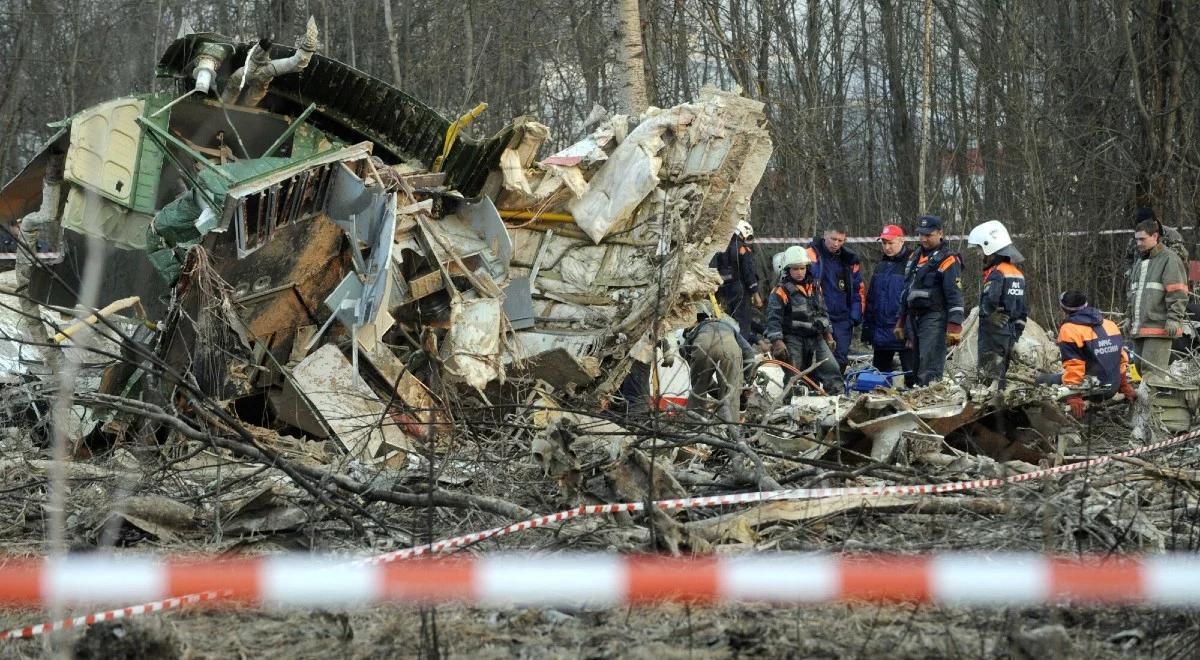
633,84
903,147
923,154
393,46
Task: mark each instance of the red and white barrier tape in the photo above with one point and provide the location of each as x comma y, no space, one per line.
768,496
675,504
608,579
804,240
111,615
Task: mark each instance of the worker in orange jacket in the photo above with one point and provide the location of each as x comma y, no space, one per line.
1090,346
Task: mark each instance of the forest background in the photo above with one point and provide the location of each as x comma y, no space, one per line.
1057,118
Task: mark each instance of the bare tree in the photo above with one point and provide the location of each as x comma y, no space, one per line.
633,86
393,44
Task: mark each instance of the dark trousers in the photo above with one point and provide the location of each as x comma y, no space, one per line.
885,360
993,353
804,351
928,335
842,333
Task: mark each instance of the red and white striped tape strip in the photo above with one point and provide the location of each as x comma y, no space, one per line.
111,615
675,504
608,580
804,240
768,496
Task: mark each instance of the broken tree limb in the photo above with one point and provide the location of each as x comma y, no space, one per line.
73,470
738,449
302,477
307,477
1150,469
736,525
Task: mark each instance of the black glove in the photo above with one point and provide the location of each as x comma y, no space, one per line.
779,350
1048,379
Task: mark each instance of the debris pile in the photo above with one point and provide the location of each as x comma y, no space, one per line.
297,263
290,265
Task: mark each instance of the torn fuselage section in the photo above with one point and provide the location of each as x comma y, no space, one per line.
306,239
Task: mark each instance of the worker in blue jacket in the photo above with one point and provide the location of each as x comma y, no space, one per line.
883,303
839,272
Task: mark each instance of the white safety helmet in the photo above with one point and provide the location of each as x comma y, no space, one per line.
745,230
793,256
992,236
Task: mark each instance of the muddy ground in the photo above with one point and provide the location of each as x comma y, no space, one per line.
835,631
1121,508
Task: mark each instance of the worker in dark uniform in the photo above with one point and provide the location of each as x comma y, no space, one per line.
1002,310
739,278
797,324
718,357
1090,346
883,303
931,309
839,272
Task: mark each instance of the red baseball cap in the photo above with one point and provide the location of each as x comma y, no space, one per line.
891,231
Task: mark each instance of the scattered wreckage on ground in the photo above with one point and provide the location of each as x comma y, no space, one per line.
325,256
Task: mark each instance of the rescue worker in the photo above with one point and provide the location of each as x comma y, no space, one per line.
797,323
1168,236
931,309
718,357
883,303
838,271
1002,310
1190,341
739,278
1090,346
1158,297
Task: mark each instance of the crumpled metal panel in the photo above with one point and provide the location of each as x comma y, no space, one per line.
360,106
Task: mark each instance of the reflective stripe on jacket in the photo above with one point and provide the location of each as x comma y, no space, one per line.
1002,301
1158,292
796,309
1090,345
933,283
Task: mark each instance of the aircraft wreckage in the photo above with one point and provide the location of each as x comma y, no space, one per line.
314,248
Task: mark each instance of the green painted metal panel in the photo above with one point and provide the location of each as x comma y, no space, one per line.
150,158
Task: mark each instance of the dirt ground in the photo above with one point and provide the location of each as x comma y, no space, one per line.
1039,516
674,631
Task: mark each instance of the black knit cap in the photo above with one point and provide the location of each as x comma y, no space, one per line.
1072,301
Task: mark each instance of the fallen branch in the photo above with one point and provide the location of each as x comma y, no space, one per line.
305,476
73,470
739,525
